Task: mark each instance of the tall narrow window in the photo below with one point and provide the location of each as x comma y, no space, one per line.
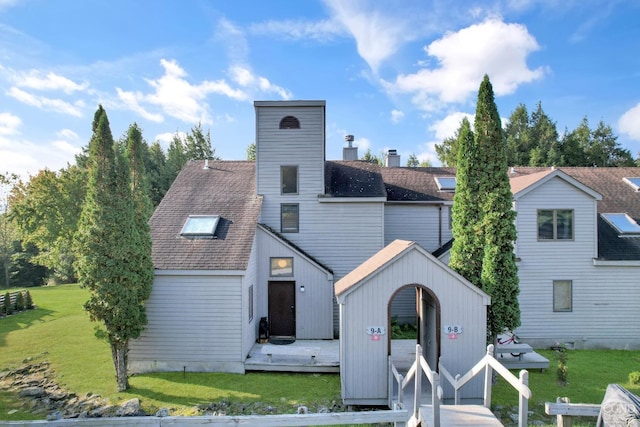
250,303
289,217
289,179
555,224
562,295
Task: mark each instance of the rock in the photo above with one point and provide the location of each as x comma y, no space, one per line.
32,392
130,408
303,410
54,416
164,412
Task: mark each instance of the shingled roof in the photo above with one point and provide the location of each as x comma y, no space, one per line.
353,179
226,188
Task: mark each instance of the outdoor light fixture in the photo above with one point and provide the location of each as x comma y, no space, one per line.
302,288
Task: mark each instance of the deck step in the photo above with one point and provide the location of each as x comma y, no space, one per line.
461,415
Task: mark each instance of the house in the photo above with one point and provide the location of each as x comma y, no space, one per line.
238,241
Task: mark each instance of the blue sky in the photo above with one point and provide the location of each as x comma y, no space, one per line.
396,74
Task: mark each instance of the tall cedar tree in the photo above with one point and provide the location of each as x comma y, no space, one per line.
467,249
499,271
111,249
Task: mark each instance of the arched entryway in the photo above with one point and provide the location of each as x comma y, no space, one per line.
414,307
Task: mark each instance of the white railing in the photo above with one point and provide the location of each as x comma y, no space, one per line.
419,366
488,364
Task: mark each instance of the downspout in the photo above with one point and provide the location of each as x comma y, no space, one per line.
440,226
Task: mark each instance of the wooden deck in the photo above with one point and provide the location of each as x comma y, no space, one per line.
529,361
461,415
299,356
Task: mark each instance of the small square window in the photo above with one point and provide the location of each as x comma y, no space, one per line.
281,267
200,226
289,179
562,295
446,183
289,218
555,224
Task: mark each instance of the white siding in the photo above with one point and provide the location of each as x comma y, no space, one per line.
605,299
427,225
367,305
194,324
314,306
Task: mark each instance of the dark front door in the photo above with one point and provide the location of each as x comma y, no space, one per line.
282,308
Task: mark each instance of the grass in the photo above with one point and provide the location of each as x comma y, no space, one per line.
590,371
59,331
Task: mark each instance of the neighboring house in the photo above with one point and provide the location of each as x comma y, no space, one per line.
237,241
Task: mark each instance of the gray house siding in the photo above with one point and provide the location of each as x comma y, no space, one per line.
314,306
601,296
427,225
250,284
195,323
366,305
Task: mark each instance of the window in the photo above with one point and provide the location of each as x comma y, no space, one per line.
446,183
281,267
289,179
556,224
289,217
250,303
200,226
289,122
633,182
562,295
623,223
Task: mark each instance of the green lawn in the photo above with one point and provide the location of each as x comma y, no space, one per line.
60,332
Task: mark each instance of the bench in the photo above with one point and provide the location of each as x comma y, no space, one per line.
619,407
516,350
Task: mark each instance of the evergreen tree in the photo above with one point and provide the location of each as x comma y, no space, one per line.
28,301
372,158
499,270
251,152
19,302
543,135
156,171
198,145
517,133
467,249
7,306
110,247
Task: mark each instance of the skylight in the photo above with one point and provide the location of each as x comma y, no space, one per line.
446,183
633,181
623,223
203,226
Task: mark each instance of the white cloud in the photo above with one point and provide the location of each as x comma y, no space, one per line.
67,134
9,124
448,126
131,100
35,79
165,138
245,78
396,116
492,47
322,31
44,103
363,145
66,148
378,33
629,123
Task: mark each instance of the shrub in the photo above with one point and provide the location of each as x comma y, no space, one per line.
19,302
8,307
634,378
28,302
562,372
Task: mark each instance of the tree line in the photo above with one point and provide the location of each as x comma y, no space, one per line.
533,140
39,216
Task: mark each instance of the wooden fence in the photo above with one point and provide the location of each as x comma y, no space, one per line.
12,297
